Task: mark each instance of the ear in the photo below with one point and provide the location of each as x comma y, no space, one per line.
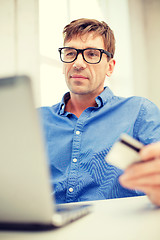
111,65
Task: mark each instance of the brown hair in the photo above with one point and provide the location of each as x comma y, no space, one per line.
82,26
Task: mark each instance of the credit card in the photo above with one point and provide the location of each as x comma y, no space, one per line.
124,152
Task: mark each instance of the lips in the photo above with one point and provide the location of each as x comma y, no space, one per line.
79,77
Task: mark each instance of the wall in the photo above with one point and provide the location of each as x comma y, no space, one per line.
137,71
145,39
114,12
19,41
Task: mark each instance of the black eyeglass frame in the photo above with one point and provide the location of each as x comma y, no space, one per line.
110,55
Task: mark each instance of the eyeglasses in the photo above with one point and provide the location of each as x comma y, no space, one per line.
90,55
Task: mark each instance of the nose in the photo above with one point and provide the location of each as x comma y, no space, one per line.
79,63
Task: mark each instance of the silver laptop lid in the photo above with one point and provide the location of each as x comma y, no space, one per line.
25,192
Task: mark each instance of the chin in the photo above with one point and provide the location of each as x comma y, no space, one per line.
79,90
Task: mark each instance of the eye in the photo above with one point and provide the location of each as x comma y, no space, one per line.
92,53
69,53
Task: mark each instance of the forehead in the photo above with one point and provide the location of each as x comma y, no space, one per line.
85,41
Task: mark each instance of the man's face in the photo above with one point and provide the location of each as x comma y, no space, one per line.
81,77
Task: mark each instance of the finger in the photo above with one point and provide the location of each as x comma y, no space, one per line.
150,151
153,192
149,180
142,168
154,195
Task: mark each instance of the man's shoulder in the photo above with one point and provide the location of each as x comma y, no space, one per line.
131,100
134,99
135,103
49,109
145,102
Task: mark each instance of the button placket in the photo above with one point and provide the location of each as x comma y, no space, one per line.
74,168
72,181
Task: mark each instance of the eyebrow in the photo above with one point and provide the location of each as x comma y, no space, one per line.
86,47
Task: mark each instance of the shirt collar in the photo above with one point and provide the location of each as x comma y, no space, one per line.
104,97
65,99
101,100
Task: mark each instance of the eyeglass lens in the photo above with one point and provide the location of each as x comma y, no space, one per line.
90,55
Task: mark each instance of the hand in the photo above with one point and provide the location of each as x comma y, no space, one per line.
145,176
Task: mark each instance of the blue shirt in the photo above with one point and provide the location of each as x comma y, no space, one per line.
77,146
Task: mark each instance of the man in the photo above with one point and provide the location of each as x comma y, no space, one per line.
81,129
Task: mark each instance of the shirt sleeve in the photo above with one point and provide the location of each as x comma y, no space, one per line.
147,125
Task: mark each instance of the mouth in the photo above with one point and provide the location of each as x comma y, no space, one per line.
78,77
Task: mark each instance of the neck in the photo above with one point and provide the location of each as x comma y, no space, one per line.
78,103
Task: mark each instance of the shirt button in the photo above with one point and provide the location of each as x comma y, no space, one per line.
70,189
78,132
75,160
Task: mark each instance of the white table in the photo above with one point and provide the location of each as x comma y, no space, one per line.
120,219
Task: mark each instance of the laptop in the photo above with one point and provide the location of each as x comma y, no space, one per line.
25,190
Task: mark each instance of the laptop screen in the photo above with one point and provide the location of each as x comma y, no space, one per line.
25,193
